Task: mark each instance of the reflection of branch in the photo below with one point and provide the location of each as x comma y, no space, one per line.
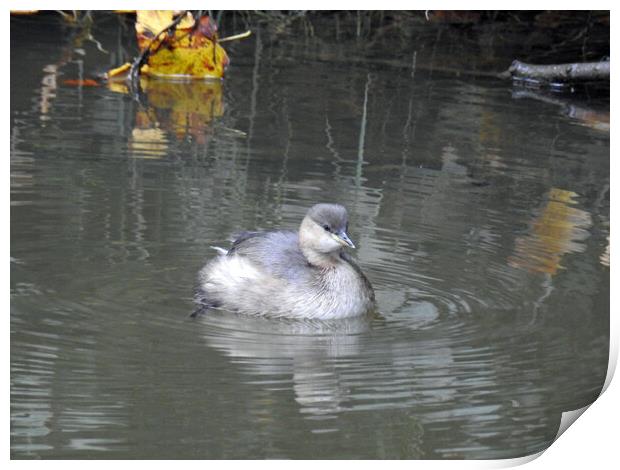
97,43
81,31
255,76
547,284
72,18
362,138
591,117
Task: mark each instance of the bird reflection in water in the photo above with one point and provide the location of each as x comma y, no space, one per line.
303,349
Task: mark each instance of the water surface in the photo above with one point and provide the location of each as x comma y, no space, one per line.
481,213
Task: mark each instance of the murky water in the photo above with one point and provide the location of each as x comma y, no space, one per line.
481,214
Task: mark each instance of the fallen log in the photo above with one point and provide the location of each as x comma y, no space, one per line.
575,72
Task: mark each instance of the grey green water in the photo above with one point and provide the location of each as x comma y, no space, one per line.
481,213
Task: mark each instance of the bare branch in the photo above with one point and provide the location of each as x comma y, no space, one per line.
575,72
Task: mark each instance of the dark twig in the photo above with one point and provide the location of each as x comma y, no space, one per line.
134,71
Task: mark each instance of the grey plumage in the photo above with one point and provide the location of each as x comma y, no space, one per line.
276,252
303,274
332,215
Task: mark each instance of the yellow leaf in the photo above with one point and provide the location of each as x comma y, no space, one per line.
210,60
191,52
119,70
151,22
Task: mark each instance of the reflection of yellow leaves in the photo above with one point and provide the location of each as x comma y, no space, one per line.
192,105
184,108
557,230
148,143
118,87
594,119
204,98
491,137
490,129
605,255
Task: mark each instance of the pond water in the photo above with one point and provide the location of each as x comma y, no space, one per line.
480,212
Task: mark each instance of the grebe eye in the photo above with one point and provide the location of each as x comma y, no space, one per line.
326,227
